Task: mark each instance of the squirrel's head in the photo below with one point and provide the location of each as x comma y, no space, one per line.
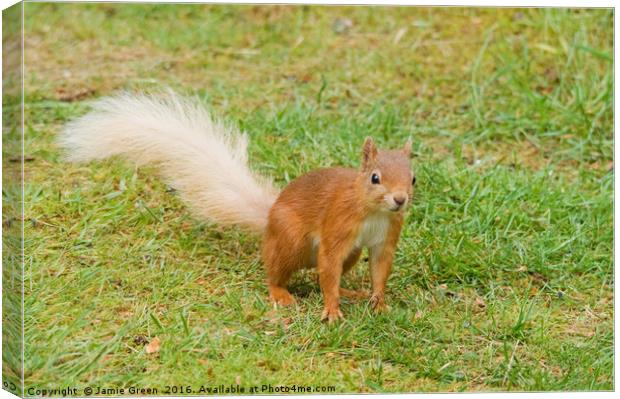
387,177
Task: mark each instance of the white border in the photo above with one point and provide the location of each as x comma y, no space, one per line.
471,3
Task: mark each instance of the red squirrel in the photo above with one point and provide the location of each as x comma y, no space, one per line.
322,219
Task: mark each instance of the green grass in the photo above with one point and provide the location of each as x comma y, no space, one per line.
503,278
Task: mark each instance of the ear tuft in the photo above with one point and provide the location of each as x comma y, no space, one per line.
370,151
407,148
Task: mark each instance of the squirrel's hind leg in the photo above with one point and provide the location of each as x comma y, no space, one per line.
285,249
280,267
280,295
277,279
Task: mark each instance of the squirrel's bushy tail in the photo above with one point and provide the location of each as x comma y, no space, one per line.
205,161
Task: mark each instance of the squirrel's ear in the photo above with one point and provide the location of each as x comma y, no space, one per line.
407,148
370,151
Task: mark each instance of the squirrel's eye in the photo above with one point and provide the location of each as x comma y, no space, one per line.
413,181
375,179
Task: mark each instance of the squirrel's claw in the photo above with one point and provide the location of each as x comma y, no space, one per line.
378,304
280,297
331,315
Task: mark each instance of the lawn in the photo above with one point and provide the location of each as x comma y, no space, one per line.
503,279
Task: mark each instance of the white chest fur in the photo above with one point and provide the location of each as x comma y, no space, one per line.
373,231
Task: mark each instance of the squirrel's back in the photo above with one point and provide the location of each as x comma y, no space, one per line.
308,197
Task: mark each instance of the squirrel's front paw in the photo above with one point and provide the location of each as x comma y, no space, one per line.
331,315
378,304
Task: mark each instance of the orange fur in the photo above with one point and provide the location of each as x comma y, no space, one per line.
324,218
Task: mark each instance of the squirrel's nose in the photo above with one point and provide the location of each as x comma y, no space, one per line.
400,200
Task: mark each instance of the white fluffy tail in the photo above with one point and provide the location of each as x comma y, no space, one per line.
201,158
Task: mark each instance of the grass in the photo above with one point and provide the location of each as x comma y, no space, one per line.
503,278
